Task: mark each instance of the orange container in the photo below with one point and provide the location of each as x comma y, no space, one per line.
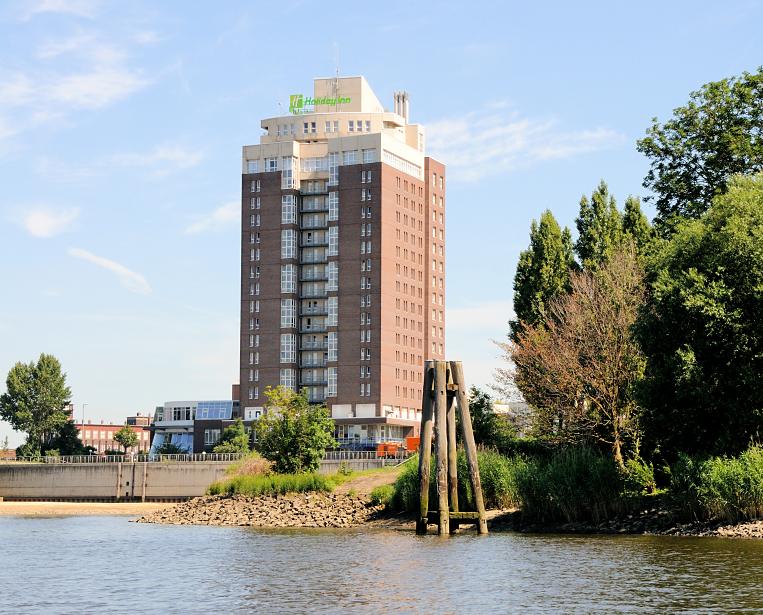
412,444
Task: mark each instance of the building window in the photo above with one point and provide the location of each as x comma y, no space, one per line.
350,157
288,278
333,349
333,249
288,378
288,348
271,164
255,185
333,165
287,176
332,305
305,127
211,436
288,313
252,166
288,243
333,201
369,155
333,276
288,209
351,126
332,380
368,125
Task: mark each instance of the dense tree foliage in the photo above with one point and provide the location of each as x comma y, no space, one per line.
490,429
543,271
293,433
579,368
67,441
599,225
693,154
35,401
126,438
234,439
703,329
636,226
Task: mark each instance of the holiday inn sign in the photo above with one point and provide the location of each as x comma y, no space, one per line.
299,103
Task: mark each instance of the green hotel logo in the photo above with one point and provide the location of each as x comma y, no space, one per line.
299,103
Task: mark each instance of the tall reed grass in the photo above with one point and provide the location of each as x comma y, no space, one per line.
270,484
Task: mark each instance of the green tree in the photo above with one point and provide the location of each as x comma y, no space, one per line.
636,225
693,154
234,439
543,271
126,438
703,331
293,434
600,228
67,441
35,400
490,429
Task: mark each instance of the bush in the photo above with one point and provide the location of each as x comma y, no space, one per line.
638,478
574,484
382,494
721,488
234,439
497,476
252,464
270,484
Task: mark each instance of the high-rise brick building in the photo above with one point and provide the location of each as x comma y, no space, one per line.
343,260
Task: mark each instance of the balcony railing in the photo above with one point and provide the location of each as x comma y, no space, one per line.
310,276
308,345
313,329
313,363
322,223
314,243
319,311
314,206
306,260
312,293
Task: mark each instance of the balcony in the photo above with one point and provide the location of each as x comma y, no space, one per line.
309,276
319,311
313,382
317,206
306,260
313,293
313,329
320,223
315,242
308,345
313,363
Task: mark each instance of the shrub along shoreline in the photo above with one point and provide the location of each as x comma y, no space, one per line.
580,489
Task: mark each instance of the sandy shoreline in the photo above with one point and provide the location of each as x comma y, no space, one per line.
66,509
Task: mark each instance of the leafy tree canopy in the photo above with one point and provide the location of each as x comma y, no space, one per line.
35,400
543,271
703,332
67,441
293,433
234,439
126,438
599,227
693,154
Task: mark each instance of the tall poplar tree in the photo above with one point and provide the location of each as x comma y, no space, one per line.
636,225
543,271
599,225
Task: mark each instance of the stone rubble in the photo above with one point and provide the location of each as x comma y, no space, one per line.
318,510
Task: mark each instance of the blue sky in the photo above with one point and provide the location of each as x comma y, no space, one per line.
120,133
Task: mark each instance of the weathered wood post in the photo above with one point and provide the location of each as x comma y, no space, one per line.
452,449
471,448
441,444
425,448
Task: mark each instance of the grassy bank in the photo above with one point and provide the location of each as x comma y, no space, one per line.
583,485
271,484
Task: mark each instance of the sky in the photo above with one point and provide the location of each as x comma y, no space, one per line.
121,127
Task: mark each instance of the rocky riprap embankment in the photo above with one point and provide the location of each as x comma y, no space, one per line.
291,510
653,521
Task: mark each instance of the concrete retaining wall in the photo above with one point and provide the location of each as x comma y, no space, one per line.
108,481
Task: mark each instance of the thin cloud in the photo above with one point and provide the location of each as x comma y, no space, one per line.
96,88
219,218
131,280
496,140
47,222
78,8
166,158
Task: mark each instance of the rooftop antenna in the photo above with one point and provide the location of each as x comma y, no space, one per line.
336,77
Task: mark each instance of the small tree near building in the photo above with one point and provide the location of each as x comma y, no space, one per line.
293,433
126,438
234,439
35,401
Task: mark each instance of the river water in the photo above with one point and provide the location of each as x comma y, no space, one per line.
108,565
